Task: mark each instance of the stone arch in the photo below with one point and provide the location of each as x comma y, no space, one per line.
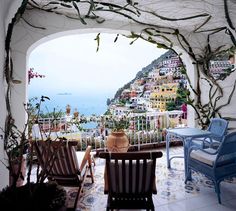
25,38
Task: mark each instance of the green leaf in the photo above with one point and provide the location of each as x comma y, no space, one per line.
79,16
159,45
116,38
99,8
98,41
129,1
149,32
66,5
100,19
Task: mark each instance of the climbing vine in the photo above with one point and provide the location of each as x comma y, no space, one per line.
152,32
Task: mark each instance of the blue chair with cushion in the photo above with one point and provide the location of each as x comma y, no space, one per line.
216,164
218,128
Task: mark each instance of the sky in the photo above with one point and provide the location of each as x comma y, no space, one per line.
72,65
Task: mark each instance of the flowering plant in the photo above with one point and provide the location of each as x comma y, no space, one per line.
117,123
32,74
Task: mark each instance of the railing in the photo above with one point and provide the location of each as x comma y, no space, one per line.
144,129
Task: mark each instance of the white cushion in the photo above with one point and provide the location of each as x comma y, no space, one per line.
203,156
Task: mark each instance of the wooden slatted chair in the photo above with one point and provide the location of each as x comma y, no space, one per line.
60,162
130,179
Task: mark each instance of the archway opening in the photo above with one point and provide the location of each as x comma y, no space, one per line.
85,79
74,68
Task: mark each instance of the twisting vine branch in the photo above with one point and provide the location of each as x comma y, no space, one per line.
36,27
227,15
8,70
152,32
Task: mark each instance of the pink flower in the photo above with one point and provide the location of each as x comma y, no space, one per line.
32,74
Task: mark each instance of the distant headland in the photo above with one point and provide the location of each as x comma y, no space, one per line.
64,93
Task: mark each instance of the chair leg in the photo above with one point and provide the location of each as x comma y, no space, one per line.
151,204
217,189
93,161
91,173
189,176
77,197
108,204
90,168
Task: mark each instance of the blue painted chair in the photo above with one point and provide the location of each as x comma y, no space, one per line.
218,128
216,164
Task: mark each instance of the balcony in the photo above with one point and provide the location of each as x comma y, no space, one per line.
144,129
172,193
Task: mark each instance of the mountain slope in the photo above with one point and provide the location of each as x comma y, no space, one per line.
145,70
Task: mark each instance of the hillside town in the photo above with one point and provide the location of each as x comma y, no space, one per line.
154,100
158,90
162,88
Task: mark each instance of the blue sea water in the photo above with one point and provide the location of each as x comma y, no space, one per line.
86,105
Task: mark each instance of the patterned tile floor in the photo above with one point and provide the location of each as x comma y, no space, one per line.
172,193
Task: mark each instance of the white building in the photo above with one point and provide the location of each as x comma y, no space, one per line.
146,94
154,74
120,111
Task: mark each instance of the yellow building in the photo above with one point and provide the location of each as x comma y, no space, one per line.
166,93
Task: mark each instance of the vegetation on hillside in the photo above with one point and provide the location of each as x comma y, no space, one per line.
144,72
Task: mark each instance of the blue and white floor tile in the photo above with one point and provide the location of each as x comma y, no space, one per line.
172,192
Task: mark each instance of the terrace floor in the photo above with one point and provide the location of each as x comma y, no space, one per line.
172,193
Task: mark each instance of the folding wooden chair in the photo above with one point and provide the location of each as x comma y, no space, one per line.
130,179
60,162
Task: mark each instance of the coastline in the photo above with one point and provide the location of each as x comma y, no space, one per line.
86,105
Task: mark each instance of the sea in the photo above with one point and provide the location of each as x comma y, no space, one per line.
86,105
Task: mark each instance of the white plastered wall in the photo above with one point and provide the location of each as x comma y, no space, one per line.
3,170
227,85
7,12
191,120
26,38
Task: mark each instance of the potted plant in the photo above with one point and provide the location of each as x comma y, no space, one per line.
118,141
68,108
37,195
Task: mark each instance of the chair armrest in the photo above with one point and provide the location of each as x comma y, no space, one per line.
206,140
203,150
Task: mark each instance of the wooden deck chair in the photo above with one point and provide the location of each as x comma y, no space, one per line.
60,162
130,179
